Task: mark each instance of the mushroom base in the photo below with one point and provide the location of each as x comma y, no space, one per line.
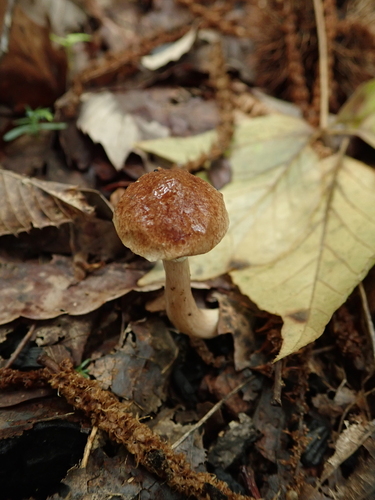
180,304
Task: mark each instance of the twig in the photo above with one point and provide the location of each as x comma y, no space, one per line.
323,63
368,319
20,346
88,447
210,413
278,384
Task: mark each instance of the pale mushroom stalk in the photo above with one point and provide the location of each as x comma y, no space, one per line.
181,307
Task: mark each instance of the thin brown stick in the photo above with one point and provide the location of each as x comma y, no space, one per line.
323,63
214,409
20,346
88,447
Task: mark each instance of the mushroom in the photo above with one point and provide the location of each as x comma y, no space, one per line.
170,215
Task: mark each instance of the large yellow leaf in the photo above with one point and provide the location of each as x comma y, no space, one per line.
308,284
302,232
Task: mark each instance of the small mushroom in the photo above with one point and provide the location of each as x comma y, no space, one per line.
170,215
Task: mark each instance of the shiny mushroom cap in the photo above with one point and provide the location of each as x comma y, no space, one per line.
168,214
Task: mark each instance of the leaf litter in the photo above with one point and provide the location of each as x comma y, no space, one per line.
301,239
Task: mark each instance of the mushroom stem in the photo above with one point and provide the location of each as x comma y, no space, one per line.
180,304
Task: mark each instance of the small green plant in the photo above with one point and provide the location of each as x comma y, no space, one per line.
83,367
71,39
68,41
35,120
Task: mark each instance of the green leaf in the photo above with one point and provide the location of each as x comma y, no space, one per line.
357,116
70,39
52,126
17,132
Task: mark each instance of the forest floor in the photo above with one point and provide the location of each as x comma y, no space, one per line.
101,396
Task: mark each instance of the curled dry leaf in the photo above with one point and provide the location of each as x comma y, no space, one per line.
302,230
169,53
27,203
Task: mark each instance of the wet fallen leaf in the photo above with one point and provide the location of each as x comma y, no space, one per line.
302,229
29,202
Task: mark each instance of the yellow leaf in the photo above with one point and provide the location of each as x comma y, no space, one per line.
308,284
179,149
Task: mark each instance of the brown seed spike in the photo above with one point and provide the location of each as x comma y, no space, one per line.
168,214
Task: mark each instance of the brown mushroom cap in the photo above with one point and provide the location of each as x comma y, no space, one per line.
168,214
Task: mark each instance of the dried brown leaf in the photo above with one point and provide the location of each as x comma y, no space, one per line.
28,203
46,290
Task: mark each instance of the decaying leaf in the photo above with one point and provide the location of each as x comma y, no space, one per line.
139,370
348,443
121,474
117,130
71,332
302,232
358,113
27,203
46,290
